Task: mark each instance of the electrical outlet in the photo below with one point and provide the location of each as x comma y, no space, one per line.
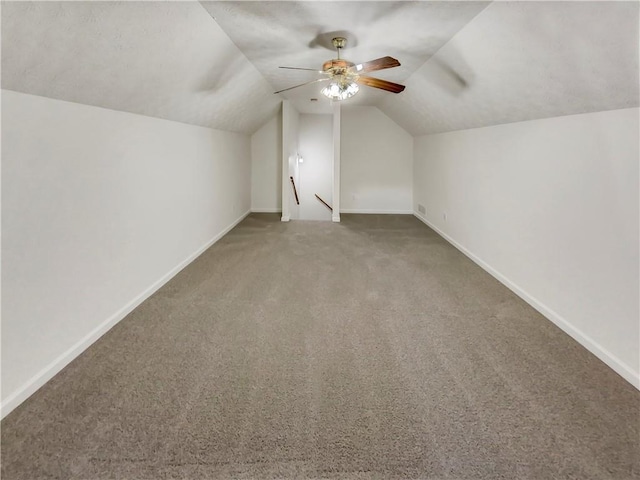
422,209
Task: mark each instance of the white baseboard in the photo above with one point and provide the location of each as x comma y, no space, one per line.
621,368
48,372
376,212
266,210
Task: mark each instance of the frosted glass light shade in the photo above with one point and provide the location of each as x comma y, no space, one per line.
340,90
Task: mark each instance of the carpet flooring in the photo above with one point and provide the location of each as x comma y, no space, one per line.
369,349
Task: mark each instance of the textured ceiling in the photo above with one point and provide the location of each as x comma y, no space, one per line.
465,64
524,61
162,59
273,34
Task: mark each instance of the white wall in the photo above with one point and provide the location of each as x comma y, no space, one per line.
315,144
376,163
290,133
335,190
99,208
266,167
551,208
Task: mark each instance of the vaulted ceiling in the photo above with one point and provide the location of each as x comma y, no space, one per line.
215,64
168,60
521,61
298,34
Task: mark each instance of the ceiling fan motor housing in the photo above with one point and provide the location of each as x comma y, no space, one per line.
336,66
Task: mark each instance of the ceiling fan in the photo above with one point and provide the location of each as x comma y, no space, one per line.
345,77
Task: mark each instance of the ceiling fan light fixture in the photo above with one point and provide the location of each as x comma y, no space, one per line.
340,90
344,76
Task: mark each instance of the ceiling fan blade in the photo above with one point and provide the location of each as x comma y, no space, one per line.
381,84
377,64
298,68
302,84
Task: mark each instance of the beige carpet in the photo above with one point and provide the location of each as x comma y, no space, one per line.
366,349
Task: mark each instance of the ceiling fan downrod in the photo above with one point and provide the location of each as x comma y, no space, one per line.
339,43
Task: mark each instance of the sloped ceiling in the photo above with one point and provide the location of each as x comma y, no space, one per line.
273,34
521,61
465,64
161,59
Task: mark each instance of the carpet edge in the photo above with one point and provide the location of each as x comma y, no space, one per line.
47,373
612,361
